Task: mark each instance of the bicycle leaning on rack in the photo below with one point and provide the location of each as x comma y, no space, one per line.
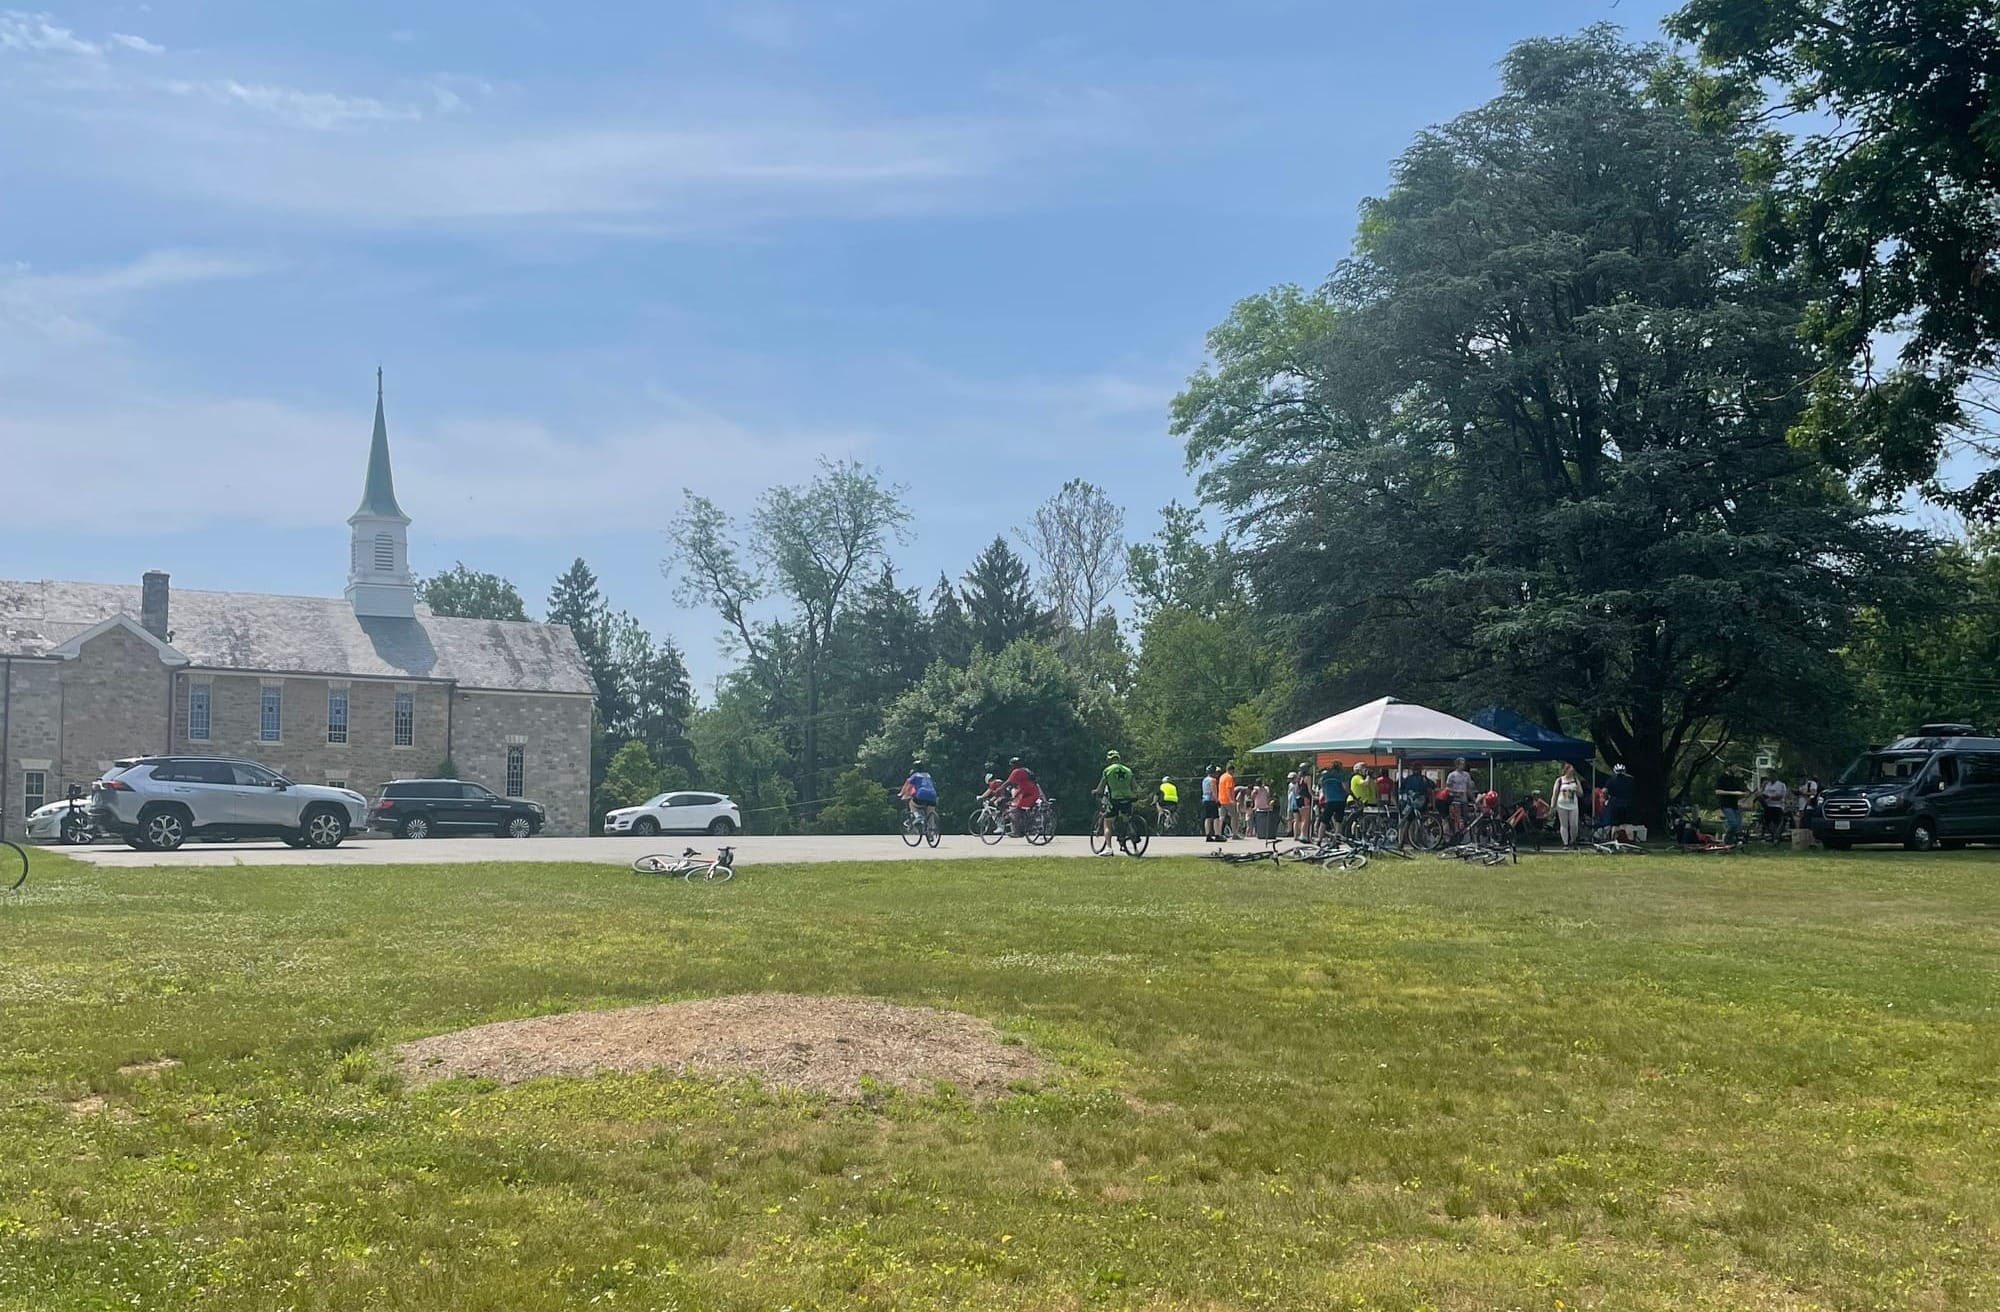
717,869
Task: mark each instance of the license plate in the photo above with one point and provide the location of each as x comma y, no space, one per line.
1843,824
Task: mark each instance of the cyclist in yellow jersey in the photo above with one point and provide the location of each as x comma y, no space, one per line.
1169,803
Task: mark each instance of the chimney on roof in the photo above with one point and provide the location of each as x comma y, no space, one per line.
153,603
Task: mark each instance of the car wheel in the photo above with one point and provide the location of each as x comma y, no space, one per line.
1923,835
417,826
720,826
519,827
646,827
77,832
323,827
163,828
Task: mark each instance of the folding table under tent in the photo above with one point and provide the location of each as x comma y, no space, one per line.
1403,729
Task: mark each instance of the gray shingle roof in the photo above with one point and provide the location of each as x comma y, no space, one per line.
304,635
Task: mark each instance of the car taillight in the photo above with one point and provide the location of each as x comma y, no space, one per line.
114,785
383,804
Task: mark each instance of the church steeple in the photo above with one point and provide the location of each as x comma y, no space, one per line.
379,583
378,494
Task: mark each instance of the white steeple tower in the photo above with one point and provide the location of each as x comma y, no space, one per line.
379,583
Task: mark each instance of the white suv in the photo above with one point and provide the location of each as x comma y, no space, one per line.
160,802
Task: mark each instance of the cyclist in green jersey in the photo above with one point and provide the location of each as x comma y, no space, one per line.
1119,790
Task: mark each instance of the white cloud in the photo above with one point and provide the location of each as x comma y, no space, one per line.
74,308
458,478
38,34
449,149
138,43
320,110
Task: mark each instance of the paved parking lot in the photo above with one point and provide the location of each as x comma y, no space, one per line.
751,850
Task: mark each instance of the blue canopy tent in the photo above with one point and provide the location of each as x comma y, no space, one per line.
1548,744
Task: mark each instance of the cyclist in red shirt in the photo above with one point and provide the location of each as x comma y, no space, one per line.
1026,793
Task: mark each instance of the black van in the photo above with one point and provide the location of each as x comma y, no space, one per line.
1940,788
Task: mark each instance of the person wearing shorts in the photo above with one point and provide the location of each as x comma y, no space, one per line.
1211,810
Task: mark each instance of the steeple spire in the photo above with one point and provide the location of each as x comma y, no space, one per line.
379,582
378,493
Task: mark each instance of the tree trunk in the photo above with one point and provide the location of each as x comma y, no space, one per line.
809,738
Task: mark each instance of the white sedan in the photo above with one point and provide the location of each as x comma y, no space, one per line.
52,824
683,813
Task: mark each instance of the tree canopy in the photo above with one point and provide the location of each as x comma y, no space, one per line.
471,594
1532,437
1887,200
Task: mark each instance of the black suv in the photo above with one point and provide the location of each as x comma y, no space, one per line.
425,808
1940,788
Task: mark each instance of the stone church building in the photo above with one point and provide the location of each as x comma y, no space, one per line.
354,690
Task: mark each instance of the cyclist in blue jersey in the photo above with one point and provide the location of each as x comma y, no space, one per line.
920,789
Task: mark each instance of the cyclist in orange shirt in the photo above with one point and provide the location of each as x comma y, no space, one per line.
1225,798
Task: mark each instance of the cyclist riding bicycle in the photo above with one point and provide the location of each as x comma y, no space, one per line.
1025,793
1119,790
1170,801
921,790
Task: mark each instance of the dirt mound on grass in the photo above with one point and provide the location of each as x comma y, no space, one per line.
822,1045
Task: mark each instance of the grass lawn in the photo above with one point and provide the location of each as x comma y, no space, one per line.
1769,1081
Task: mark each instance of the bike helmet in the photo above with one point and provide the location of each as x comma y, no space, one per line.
1014,761
1111,755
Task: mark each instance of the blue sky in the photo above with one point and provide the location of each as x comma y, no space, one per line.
605,251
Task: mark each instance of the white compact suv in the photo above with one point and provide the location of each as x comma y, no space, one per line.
159,802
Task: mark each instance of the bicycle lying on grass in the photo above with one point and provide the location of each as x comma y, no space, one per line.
717,869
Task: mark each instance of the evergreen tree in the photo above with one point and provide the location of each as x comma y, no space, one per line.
950,632
999,598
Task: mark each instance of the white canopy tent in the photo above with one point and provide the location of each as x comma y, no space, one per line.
1392,728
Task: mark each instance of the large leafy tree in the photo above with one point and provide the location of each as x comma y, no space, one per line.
471,594
1938,661
1888,197
1024,700
814,545
1530,440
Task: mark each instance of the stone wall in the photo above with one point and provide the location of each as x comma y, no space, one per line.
114,703
367,760
31,728
553,732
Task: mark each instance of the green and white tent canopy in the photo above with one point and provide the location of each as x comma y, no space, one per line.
1392,728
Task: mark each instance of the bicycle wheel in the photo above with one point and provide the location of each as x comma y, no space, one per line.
1139,834
1100,842
13,866
931,829
720,874
912,830
653,865
1041,828
986,827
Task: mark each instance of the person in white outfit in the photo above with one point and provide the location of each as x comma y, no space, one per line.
1567,799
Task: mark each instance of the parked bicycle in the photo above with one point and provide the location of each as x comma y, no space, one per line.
717,869
1692,833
